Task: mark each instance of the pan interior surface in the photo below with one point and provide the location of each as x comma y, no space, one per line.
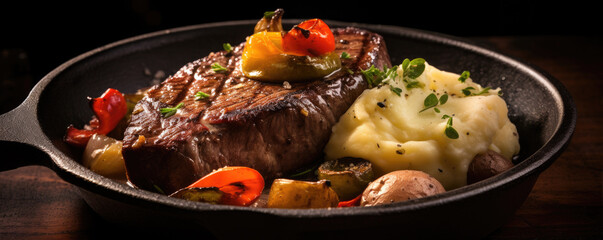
535,106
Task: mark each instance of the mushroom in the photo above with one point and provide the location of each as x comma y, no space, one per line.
401,185
486,165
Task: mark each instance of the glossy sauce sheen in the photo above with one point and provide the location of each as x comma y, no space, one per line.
269,127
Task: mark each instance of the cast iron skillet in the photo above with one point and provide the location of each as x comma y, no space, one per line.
539,105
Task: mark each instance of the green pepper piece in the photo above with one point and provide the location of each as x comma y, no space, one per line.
292,68
208,195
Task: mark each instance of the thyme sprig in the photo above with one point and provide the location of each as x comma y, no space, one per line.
464,76
467,91
169,111
395,90
201,95
412,70
449,130
431,101
217,68
376,77
345,55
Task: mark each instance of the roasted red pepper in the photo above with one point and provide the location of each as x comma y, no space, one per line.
309,38
354,202
109,109
241,185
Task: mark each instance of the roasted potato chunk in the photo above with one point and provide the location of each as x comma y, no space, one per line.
103,155
348,176
287,193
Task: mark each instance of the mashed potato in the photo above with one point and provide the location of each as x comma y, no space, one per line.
393,133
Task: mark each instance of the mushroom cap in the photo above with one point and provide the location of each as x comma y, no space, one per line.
401,185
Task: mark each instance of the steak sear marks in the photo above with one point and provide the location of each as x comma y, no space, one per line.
272,128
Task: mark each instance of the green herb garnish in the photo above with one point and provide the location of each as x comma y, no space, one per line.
169,111
449,130
412,70
268,14
396,90
464,76
305,171
345,55
467,91
201,95
431,101
227,47
483,91
374,76
158,189
443,99
216,67
411,83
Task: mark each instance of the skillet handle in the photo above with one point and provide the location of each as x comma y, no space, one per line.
20,139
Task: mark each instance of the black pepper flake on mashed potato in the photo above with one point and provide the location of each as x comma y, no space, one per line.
421,125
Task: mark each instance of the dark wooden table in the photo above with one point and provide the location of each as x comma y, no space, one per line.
565,203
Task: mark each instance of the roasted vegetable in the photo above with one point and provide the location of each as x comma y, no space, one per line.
271,22
241,185
401,185
265,58
348,176
487,165
287,193
131,100
103,155
309,38
108,109
354,202
207,195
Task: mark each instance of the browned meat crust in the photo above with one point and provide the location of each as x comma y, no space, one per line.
270,127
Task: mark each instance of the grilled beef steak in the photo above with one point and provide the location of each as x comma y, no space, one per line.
273,128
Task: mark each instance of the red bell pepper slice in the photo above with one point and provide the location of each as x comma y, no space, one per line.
241,185
310,38
351,203
109,109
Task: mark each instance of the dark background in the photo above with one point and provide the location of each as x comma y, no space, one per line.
37,36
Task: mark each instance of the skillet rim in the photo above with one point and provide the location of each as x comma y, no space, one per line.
76,174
